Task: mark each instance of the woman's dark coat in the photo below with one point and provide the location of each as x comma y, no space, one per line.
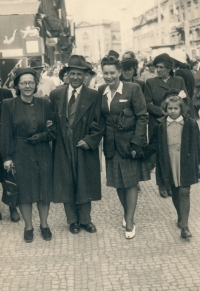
131,99
190,153
33,163
155,90
89,126
188,78
4,94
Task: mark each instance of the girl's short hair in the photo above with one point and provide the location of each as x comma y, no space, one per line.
174,98
110,60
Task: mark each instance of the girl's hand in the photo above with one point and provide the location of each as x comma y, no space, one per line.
8,165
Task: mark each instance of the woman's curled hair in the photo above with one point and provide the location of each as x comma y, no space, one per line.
110,60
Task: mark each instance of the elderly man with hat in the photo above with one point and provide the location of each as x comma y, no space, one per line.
150,73
155,90
76,157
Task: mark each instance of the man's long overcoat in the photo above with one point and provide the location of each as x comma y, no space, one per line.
87,126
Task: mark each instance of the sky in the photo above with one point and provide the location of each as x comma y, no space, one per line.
95,10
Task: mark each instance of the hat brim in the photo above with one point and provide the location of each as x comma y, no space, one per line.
39,67
77,67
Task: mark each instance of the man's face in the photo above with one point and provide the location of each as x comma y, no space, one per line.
88,78
76,77
38,72
152,69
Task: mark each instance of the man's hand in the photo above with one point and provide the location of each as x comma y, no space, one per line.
83,144
7,165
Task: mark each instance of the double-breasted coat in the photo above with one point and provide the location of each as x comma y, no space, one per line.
88,125
189,153
4,94
33,162
155,90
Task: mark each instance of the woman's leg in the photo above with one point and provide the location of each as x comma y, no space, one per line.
43,210
26,212
122,197
131,202
176,202
184,204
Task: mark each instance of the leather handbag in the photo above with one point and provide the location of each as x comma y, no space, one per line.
126,120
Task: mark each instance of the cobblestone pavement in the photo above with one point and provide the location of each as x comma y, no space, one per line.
156,259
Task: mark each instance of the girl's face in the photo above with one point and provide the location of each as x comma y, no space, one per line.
111,74
173,109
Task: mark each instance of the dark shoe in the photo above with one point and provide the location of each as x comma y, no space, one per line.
28,235
185,233
90,227
74,228
163,192
14,215
0,216
46,233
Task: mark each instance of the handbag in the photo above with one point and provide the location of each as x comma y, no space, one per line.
11,188
126,120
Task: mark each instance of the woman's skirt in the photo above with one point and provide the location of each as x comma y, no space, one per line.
124,172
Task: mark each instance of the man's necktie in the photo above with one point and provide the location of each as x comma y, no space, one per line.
71,101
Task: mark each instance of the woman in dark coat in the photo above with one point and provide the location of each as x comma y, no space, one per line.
155,90
27,128
124,110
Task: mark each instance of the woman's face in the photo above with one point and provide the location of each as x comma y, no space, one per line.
173,109
127,74
111,74
65,78
162,71
26,85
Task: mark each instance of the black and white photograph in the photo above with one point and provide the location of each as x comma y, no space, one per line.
99,145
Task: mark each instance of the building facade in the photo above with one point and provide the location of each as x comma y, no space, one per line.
94,41
172,24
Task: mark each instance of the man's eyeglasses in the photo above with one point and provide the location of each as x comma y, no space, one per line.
24,84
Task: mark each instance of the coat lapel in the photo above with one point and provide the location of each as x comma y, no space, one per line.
84,103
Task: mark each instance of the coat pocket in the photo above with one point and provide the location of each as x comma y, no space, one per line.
126,120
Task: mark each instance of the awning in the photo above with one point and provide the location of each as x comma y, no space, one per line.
11,8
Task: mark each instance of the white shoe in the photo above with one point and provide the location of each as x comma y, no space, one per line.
130,234
124,222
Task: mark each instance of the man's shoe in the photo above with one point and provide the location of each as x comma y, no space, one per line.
28,235
90,227
163,192
74,228
185,233
46,233
14,215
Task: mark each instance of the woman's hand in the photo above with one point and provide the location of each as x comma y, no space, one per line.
83,144
136,151
8,165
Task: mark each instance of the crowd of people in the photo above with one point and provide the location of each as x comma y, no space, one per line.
52,130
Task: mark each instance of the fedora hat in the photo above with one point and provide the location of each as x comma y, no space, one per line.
90,69
77,62
36,64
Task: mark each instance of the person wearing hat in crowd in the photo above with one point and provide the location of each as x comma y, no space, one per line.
113,53
129,72
56,79
90,77
196,96
45,85
182,69
176,141
155,90
14,215
76,157
150,73
63,75
28,126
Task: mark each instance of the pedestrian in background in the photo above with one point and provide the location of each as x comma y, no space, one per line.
14,215
150,73
63,75
124,110
27,128
90,77
177,143
196,96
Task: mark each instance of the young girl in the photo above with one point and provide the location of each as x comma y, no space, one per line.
177,143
